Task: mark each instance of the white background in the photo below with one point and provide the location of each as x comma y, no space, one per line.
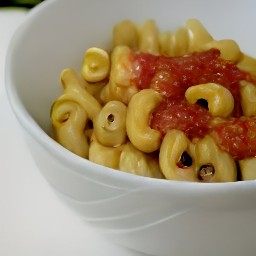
33,222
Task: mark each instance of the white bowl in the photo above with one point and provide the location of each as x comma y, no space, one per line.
156,217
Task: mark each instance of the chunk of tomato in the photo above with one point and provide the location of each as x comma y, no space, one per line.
238,137
193,120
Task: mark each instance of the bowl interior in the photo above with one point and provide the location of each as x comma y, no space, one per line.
56,34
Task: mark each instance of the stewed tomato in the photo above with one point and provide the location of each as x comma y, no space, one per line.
172,76
238,137
193,120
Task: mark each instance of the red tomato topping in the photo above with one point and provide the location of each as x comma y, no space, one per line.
238,137
171,76
193,120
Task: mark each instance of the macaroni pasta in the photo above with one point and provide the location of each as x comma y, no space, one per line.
106,114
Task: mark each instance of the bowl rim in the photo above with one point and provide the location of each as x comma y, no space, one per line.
31,127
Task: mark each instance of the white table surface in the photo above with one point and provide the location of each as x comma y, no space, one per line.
33,222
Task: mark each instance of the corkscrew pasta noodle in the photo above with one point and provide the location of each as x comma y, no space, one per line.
220,100
139,109
119,86
74,91
104,117
134,161
247,167
173,145
125,33
248,98
110,124
148,38
96,65
103,155
219,165
69,120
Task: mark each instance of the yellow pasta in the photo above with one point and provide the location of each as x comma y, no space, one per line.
148,38
174,44
247,168
189,38
180,159
74,91
136,162
121,74
229,49
211,163
137,122
174,144
103,155
125,33
106,117
197,35
194,37
96,65
69,120
96,90
248,98
110,124
247,64
220,100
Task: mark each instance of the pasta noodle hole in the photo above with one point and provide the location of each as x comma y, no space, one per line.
206,172
203,103
111,118
185,160
89,124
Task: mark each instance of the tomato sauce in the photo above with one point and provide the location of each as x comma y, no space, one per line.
238,137
193,120
172,76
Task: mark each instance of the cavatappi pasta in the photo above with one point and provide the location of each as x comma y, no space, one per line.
104,116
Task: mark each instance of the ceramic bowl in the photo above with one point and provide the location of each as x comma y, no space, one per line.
156,217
